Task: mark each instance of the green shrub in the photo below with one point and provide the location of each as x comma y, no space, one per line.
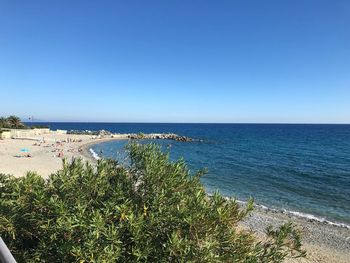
151,210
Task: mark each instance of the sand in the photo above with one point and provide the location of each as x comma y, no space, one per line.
323,242
44,158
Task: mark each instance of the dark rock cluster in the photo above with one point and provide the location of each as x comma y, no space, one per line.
162,136
136,136
88,132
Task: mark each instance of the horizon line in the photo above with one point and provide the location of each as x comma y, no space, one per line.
126,122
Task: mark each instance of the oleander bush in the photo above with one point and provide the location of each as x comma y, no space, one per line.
149,210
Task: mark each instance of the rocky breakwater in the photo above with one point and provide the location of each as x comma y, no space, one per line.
88,132
160,136
134,136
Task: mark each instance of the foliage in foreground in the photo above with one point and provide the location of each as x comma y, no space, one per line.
152,210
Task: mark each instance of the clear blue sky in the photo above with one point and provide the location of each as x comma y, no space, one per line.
176,61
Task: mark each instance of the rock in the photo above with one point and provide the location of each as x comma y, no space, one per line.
138,136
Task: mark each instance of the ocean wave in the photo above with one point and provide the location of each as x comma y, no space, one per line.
306,216
94,154
314,218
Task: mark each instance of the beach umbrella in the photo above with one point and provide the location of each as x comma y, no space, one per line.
24,150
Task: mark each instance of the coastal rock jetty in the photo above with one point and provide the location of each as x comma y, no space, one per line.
160,136
133,136
88,132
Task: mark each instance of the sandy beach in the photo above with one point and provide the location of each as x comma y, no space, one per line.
323,242
46,153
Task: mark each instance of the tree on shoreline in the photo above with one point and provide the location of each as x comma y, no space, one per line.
149,210
14,121
3,122
11,122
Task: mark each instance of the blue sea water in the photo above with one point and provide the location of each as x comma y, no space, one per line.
297,167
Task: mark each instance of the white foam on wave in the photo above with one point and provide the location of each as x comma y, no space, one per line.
315,218
94,155
306,216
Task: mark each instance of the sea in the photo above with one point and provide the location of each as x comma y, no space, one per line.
302,169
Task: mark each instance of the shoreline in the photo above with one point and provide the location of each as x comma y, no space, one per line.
299,215
86,153
44,154
288,213
324,241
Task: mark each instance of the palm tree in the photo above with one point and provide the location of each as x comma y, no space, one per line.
14,122
3,122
